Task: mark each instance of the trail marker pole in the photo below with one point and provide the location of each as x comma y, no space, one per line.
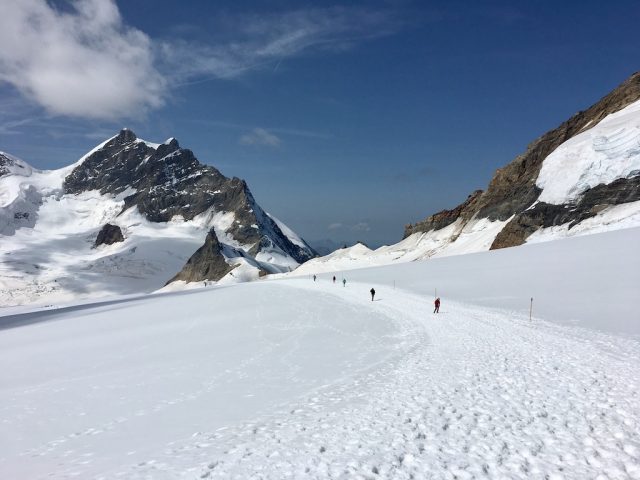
530,308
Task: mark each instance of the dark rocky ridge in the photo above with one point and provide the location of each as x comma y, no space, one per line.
108,235
512,189
207,263
169,181
444,218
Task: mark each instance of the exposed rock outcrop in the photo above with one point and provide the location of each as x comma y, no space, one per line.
207,263
108,235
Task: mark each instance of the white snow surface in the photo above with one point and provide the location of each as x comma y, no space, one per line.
293,378
599,155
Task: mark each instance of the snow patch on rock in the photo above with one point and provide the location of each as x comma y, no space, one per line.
600,155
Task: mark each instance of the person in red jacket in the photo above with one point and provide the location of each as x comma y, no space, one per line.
437,305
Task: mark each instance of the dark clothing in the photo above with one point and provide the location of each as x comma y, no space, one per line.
373,292
334,279
437,305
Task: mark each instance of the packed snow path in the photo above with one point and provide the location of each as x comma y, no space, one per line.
469,393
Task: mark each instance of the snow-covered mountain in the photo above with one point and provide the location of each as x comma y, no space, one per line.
127,218
582,177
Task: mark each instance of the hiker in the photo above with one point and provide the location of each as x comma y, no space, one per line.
373,293
344,282
314,278
437,305
334,279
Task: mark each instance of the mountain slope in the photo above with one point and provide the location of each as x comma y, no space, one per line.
515,188
605,136
164,204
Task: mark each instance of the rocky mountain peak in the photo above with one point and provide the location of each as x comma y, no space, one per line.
207,263
125,136
165,180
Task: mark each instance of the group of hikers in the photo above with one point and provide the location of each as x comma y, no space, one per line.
436,302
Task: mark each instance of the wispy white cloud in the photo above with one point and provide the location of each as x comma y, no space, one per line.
84,62
358,227
283,131
259,136
262,41
12,127
361,227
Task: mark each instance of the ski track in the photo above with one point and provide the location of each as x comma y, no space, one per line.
477,393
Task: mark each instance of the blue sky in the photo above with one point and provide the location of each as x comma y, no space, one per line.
348,120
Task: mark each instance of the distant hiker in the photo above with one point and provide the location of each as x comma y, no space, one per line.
334,279
344,282
314,278
437,305
373,293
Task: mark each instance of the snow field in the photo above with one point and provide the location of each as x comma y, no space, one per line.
91,390
303,379
481,393
292,378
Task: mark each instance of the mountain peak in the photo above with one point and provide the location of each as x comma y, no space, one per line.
126,136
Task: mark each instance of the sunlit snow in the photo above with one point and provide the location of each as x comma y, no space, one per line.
296,378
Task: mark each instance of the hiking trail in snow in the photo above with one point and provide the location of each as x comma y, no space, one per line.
480,393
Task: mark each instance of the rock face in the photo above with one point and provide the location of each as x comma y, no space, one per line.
207,263
108,235
164,181
443,218
512,192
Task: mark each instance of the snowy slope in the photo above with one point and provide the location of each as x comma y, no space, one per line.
300,379
455,239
